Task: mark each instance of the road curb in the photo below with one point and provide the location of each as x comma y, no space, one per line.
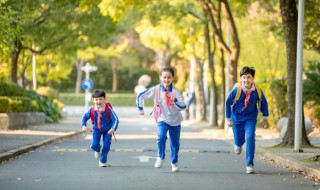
289,162
24,149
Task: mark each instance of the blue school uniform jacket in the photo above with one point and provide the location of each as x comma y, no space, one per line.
106,124
251,112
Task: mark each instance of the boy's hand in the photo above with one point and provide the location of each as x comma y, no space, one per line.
84,129
229,123
111,131
141,112
265,123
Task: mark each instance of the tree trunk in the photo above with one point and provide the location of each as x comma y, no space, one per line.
79,63
235,53
114,77
14,61
199,92
213,94
289,15
223,87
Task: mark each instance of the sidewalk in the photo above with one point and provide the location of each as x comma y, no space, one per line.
301,162
17,142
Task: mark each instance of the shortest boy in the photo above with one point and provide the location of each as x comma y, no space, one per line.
242,108
104,123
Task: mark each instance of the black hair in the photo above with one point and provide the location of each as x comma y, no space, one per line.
247,70
98,93
169,69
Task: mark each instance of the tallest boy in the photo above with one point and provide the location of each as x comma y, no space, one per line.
242,114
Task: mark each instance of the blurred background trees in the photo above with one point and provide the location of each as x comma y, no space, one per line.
44,43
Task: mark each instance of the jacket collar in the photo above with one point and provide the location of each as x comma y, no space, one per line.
164,89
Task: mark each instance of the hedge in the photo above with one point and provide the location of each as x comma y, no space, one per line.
15,104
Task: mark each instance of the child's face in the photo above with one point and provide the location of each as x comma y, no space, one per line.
99,101
166,78
247,80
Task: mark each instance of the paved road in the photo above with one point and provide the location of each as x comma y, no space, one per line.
205,163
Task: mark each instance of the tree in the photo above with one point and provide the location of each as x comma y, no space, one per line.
289,15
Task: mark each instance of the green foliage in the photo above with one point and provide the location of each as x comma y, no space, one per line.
47,106
8,89
49,92
311,92
21,100
15,104
20,104
312,25
311,85
4,104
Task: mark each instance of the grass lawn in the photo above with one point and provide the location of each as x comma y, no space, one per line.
116,99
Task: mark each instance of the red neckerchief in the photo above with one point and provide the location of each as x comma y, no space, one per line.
168,98
246,100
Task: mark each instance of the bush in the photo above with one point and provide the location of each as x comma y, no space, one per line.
5,106
8,89
20,104
20,100
49,92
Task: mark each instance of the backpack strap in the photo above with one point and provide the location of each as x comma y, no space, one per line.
238,91
92,114
258,89
237,95
157,94
106,110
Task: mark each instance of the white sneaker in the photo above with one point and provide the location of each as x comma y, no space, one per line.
96,155
159,163
103,164
237,149
175,167
250,169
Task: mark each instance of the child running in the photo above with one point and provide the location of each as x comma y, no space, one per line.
104,123
242,113
168,104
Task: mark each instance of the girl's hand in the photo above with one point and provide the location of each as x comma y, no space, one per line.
173,98
111,131
141,112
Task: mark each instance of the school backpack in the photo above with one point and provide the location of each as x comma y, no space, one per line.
156,108
258,89
106,110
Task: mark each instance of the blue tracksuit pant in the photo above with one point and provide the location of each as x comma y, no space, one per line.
95,145
245,132
174,133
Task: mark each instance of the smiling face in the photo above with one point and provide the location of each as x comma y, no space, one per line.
247,80
99,102
166,78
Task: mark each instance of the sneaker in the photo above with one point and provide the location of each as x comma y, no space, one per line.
175,167
103,164
237,149
250,169
96,155
159,163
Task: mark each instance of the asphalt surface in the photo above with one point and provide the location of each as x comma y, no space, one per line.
17,142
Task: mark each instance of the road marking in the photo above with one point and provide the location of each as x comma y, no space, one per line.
144,158
189,150
70,150
128,150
